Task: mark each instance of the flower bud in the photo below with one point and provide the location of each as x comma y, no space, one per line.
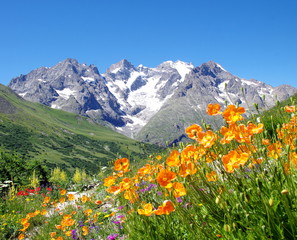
285,191
227,228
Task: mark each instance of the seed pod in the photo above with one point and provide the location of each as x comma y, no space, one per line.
285,191
247,197
270,202
227,228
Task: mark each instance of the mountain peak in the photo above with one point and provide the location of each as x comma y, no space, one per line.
124,64
70,60
211,68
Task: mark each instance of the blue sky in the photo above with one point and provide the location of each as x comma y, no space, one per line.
249,38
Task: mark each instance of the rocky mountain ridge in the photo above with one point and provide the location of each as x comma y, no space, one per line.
141,101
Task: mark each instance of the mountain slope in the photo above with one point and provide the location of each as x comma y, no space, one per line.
72,87
149,104
59,138
209,83
142,91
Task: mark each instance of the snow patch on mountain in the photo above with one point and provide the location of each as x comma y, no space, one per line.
88,79
66,93
141,88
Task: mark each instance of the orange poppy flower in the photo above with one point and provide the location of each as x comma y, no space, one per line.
62,200
228,133
290,109
210,157
213,109
187,169
265,141
193,130
274,150
242,134
46,200
24,220
109,181
122,164
165,177
63,191
131,195
147,210
53,234
71,197
125,184
85,198
254,129
178,189
212,176
85,230
88,212
173,159
30,215
234,160
192,153
232,114
60,227
68,233
25,227
21,236
114,189
146,169
292,163
98,202
166,208
67,221
207,139
43,212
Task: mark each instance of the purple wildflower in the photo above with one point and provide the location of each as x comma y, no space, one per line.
74,234
116,222
112,236
120,207
80,223
151,186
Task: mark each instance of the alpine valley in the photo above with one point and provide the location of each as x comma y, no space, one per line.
148,104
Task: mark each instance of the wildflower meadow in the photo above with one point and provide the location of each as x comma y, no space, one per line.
238,182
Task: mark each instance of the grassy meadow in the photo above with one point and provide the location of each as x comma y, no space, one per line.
238,182
57,138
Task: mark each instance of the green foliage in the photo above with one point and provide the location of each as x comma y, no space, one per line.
59,177
13,168
61,139
275,116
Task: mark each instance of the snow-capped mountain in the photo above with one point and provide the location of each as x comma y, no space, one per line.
142,91
144,102
72,87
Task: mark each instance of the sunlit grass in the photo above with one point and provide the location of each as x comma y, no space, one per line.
234,183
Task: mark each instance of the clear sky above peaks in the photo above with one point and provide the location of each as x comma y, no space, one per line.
251,39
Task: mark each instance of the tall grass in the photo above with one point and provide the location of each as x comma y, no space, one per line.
235,183
231,184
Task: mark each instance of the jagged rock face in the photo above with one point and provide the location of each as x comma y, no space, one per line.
72,87
150,104
209,83
141,91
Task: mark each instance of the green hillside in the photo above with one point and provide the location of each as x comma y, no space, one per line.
37,132
276,115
